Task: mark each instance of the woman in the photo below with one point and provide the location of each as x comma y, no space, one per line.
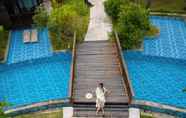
101,92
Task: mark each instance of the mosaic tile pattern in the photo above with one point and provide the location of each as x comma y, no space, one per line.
40,80
156,79
33,73
19,51
172,39
158,73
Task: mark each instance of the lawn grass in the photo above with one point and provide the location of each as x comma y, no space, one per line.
45,114
144,116
167,5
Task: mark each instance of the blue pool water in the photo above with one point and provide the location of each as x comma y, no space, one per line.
18,51
33,73
172,39
158,73
157,79
36,81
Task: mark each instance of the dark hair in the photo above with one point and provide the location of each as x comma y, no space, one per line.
101,84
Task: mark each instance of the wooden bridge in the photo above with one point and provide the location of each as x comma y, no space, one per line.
95,62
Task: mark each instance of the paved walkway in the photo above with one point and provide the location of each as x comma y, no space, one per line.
100,24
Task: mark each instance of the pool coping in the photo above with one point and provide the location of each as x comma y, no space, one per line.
168,14
158,107
34,107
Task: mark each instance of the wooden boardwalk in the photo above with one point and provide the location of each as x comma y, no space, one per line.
97,61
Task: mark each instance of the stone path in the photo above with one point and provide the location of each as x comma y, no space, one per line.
100,24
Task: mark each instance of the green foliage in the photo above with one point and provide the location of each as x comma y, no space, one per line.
144,116
166,5
62,24
3,42
133,23
80,7
41,17
112,7
153,31
2,105
66,17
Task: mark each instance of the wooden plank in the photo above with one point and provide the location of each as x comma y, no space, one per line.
98,62
116,99
103,76
108,114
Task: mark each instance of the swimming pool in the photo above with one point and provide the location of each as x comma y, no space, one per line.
19,51
35,81
33,73
157,79
172,40
158,73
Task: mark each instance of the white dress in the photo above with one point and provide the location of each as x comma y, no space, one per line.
100,97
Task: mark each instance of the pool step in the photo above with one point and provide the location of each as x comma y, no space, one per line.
111,111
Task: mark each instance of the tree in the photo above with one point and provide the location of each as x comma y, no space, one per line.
148,4
132,25
62,24
112,7
184,4
66,17
41,17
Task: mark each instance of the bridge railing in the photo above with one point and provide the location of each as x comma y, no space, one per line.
73,70
123,68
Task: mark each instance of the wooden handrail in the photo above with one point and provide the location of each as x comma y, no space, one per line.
123,68
73,66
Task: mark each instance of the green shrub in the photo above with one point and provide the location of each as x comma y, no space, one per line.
41,17
133,23
3,42
112,7
62,24
80,6
153,31
2,105
66,17
82,22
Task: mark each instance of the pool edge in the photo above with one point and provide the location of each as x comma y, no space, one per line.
35,107
158,107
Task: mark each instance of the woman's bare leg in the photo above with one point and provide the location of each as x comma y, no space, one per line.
97,110
102,109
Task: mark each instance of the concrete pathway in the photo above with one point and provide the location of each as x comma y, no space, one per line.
134,113
100,24
67,112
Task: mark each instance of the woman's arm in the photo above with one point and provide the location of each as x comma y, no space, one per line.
107,92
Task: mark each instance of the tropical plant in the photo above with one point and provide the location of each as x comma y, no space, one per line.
112,7
62,24
66,17
65,20
133,23
149,2
41,17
